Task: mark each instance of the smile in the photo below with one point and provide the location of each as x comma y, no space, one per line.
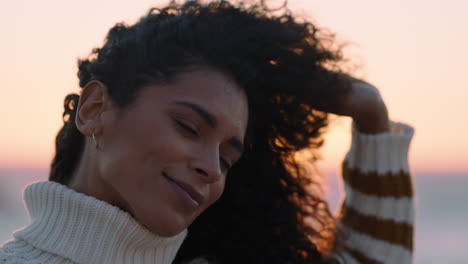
187,192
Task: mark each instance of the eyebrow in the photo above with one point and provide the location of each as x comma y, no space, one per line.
211,120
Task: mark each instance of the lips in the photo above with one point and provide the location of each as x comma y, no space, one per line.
195,195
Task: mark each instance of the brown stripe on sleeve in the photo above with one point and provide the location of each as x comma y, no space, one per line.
387,230
361,257
387,185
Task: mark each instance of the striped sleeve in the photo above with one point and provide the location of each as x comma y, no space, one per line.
375,224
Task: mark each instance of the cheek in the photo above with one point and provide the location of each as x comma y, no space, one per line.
140,147
216,190
158,141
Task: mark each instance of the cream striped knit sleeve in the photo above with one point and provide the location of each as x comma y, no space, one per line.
375,224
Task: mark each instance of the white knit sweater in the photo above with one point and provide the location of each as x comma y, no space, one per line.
376,217
70,227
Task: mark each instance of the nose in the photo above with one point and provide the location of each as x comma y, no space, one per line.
207,166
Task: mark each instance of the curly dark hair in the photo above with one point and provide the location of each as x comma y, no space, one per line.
287,68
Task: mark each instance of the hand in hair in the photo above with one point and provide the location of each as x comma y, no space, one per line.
365,105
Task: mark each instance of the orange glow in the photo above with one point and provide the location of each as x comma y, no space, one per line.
416,55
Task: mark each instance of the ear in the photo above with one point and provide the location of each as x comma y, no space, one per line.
94,101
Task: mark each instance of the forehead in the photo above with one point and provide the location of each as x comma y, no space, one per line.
216,92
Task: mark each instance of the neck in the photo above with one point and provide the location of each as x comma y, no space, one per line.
88,180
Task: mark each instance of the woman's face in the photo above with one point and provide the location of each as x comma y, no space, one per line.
164,159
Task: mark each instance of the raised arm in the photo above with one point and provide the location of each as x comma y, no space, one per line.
376,219
375,224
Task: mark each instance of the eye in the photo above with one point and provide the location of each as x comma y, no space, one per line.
187,128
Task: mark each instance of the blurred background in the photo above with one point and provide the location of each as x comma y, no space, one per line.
415,52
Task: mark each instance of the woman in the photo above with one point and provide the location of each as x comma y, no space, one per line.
191,119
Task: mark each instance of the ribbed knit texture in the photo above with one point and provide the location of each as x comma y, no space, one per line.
377,215
70,227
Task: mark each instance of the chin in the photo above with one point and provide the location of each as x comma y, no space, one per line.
166,226
170,232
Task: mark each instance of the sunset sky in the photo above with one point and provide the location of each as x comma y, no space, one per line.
415,52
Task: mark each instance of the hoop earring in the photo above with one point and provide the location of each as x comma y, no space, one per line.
95,142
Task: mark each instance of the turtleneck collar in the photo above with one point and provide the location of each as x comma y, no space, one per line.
87,230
